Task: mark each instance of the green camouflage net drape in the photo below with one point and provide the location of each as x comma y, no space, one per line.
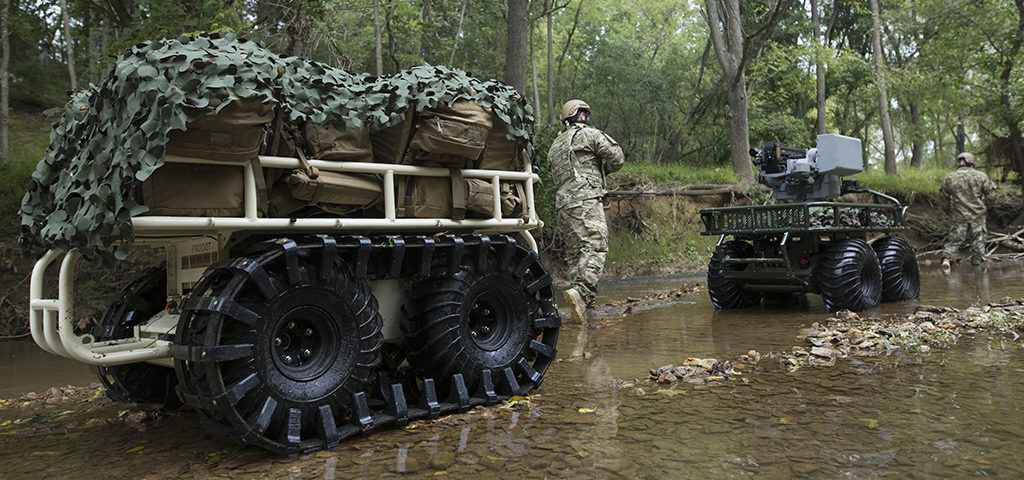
112,136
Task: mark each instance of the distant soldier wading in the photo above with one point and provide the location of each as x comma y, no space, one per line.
965,193
580,157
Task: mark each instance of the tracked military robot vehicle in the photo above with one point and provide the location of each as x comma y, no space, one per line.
341,252
849,253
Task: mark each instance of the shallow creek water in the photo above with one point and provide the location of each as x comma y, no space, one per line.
949,413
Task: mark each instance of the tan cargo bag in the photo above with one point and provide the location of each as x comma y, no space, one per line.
452,136
194,190
500,153
334,192
389,145
453,197
480,197
351,145
427,197
232,135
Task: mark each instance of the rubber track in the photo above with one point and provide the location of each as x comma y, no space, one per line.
375,257
141,383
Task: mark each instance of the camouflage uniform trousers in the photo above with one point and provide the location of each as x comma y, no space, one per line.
587,245
972,232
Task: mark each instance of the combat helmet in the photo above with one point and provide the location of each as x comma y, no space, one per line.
570,108
966,157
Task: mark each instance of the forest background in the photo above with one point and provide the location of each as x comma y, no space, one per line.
686,87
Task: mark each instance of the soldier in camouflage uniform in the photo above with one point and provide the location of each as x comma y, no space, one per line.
580,157
965,193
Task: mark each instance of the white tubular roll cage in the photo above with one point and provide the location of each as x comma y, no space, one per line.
51,320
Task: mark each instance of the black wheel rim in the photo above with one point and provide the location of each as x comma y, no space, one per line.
304,343
488,321
309,346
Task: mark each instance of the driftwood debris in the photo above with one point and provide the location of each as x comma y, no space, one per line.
1010,241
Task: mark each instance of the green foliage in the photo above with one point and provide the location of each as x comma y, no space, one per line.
544,192
36,79
783,107
29,137
13,177
637,64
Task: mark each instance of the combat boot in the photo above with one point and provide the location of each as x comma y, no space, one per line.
946,266
577,307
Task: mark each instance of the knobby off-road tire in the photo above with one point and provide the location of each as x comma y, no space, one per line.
141,383
901,275
849,276
276,349
492,320
726,293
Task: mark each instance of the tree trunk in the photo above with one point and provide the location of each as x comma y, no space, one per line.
739,133
960,136
568,41
883,97
426,17
1015,152
727,38
819,69
515,56
551,57
299,28
393,40
917,135
69,44
458,33
533,69
675,142
378,53
5,135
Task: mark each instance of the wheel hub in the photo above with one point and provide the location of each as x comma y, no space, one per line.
488,321
305,343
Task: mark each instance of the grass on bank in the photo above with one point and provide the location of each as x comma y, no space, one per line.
923,181
909,183
674,175
656,235
29,136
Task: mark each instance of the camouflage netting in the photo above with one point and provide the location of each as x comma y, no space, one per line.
113,136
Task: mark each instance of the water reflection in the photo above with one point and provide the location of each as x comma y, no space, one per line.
951,413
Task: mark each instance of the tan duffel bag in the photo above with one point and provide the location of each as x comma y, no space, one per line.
333,192
453,197
194,190
232,135
480,197
426,197
500,153
452,136
349,145
389,145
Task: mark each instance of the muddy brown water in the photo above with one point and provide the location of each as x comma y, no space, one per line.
949,413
